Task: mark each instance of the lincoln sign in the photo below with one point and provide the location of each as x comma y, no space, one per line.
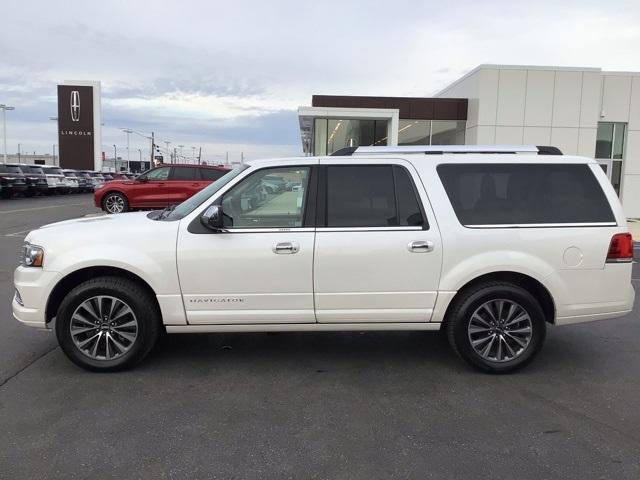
75,127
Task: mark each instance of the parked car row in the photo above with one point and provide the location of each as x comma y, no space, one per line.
158,188
30,180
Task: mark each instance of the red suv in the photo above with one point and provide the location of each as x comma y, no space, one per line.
156,188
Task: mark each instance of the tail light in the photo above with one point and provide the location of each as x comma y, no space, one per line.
620,248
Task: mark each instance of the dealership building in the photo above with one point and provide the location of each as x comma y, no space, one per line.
582,111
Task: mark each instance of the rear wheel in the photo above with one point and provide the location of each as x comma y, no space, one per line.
115,202
496,327
107,324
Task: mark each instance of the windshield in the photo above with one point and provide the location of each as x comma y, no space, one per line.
36,170
54,171
190,204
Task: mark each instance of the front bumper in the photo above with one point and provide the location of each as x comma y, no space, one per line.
34,286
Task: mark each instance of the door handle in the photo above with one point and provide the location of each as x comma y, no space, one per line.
420,246
286,247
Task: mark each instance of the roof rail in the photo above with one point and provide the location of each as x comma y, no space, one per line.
440,149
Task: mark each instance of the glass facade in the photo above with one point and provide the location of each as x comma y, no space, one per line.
332,134
431,132
610,150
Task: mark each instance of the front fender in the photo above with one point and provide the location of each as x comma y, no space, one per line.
156,267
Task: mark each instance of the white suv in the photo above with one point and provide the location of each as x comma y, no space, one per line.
489,244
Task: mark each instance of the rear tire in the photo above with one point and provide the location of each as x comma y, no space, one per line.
496,327
108,324
115,202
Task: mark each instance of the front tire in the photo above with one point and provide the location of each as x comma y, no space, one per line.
115,202
107,324
496,327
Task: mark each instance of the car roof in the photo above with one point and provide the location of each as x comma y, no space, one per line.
191,165
418,159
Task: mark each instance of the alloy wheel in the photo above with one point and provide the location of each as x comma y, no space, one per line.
103,327
114,204
500,330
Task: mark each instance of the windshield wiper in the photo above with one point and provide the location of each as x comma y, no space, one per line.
166,211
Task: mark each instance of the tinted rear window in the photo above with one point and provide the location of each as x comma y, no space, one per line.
371,196
183,173
211,174
54,171
36,170
499,194
11,169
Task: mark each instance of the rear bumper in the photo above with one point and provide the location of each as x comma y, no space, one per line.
601,311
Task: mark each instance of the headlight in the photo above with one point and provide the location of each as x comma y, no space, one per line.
32,255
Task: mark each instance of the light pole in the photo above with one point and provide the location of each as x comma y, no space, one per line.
53,151
19,153
4,109
181,146
168,151
127,131
54,119
115,158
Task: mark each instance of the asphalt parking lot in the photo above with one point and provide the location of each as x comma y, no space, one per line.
330,405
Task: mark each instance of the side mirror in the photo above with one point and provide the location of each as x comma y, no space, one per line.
142,179
212,218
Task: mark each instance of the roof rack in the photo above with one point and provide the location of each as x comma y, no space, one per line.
442,149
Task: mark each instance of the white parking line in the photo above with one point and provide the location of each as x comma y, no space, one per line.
43,208
18,234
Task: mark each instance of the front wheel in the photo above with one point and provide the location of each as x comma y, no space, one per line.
107,324
496,327
115,202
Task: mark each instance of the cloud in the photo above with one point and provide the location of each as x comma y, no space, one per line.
229,75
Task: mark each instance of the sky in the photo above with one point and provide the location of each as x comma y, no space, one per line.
229,76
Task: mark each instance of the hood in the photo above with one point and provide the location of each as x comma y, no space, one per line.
104,229
112,221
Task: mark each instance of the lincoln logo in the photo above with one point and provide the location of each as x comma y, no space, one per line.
75,106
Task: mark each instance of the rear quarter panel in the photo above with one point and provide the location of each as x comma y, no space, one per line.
569,261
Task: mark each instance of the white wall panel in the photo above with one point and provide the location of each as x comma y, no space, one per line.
566,139
587,142
616,98
471,136
536,136
566,99
631,196
485,135
539,98
508,135
488,95
590,99
632,153
511,96
634,110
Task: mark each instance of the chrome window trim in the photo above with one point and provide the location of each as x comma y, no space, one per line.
544,225
322,229
268,230
369,229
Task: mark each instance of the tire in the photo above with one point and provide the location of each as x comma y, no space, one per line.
109,344
474,317
115,202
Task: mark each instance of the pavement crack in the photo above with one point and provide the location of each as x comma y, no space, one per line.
19,371
579,414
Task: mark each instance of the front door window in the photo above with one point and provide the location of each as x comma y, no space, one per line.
268,198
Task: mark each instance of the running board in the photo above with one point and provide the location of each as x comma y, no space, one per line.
302,327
